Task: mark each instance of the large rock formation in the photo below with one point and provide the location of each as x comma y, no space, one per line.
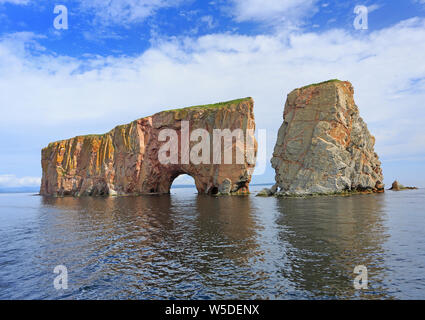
125,160
323,145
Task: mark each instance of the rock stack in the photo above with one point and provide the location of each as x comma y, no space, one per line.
323,145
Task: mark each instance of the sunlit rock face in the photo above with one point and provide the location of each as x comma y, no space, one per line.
125,161
323,145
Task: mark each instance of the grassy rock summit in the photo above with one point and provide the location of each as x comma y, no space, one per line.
125,160
323,145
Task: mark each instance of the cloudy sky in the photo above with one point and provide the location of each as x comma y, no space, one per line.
120,60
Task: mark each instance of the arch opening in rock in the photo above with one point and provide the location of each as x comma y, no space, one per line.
182,180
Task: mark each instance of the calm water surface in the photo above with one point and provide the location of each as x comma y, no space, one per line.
186,246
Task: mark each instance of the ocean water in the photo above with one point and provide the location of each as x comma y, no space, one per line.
185,246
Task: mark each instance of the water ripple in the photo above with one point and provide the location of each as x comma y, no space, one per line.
186,246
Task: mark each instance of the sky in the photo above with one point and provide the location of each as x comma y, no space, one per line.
117,61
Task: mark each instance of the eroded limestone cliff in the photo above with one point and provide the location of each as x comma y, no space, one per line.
323,145
125,160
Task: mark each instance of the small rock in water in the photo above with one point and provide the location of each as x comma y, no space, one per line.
266,192
396,186
225,187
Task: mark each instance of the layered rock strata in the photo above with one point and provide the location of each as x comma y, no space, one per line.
323,145
125,161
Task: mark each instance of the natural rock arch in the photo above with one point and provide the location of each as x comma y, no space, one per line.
125,160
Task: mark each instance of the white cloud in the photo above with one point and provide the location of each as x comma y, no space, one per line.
184,179
11,181
49,93
273,11
125,11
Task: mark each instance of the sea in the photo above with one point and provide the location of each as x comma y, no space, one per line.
190,246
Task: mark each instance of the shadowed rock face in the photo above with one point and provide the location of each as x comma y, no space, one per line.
125,160
323,145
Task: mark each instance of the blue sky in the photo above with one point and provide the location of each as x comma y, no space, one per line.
122,60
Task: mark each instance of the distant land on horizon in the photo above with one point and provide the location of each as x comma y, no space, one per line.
20,190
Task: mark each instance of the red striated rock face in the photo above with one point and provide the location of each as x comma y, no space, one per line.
323,145
125,160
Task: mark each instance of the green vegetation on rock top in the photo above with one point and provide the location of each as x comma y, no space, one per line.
51,144
214,105
91,136
319,83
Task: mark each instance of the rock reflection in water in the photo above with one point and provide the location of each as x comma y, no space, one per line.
157,246
328,237
186,246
